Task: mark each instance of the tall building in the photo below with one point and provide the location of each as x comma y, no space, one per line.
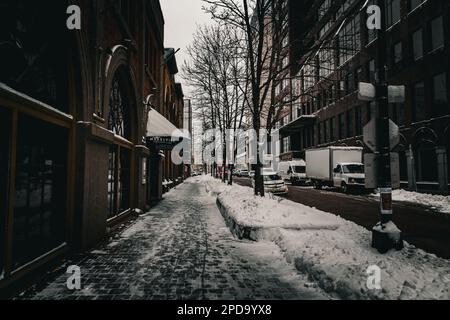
337,51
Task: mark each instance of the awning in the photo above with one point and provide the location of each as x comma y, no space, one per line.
161,133
297,124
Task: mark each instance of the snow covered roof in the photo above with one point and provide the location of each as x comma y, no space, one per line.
158,126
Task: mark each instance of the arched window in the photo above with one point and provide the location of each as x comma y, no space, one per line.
118,109
120,152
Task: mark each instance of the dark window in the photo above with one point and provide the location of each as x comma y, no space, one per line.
319,133
349,83
437,33
418,44
350,124
415,3
41,189
419,101
5,123
33,49
397,54
341,126
358,121
440,99
332,126
427,159
392,12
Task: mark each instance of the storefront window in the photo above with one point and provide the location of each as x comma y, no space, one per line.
40,189
5,120
33,49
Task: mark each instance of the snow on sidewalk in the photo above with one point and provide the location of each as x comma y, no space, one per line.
334,252
252,211
437,202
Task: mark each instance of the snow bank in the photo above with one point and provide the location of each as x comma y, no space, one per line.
436,202
340,260
335,253
249,210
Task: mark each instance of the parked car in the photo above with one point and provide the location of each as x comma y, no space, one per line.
339,167
293,171
243,173
273,183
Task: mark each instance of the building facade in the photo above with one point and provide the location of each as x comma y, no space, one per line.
338,51
73,113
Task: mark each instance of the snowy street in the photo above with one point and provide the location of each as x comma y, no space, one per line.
181,249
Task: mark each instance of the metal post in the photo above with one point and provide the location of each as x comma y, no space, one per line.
383,147
380,239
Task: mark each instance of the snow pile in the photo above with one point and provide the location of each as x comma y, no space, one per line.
336,253
246,209
437,202
341,260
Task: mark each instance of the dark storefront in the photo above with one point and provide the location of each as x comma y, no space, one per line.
73,160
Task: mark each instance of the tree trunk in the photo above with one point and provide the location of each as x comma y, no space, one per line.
230,177
259,181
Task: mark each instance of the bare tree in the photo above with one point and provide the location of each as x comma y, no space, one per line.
216,70
263,26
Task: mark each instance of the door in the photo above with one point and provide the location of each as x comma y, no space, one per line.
337,176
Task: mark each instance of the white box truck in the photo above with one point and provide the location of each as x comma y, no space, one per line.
293,171
339,167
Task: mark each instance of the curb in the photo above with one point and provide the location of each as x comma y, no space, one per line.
239,230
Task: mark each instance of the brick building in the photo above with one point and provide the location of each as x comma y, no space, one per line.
74,108
335,51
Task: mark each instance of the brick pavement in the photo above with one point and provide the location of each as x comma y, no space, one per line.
181,249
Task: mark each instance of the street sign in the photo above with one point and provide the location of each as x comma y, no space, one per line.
396,94
370,171
370,167
394,134
367,92
370,137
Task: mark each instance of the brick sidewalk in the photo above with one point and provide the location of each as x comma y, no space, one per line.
182,249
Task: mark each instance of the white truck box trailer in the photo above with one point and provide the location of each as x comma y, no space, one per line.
335,167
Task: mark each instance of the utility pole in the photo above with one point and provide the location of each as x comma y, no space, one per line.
382,235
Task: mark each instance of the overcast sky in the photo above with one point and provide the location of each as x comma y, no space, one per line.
181,18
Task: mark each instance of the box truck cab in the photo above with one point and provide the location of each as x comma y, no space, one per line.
293,171
349,175
339,167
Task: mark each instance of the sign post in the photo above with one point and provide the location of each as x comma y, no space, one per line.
381,135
